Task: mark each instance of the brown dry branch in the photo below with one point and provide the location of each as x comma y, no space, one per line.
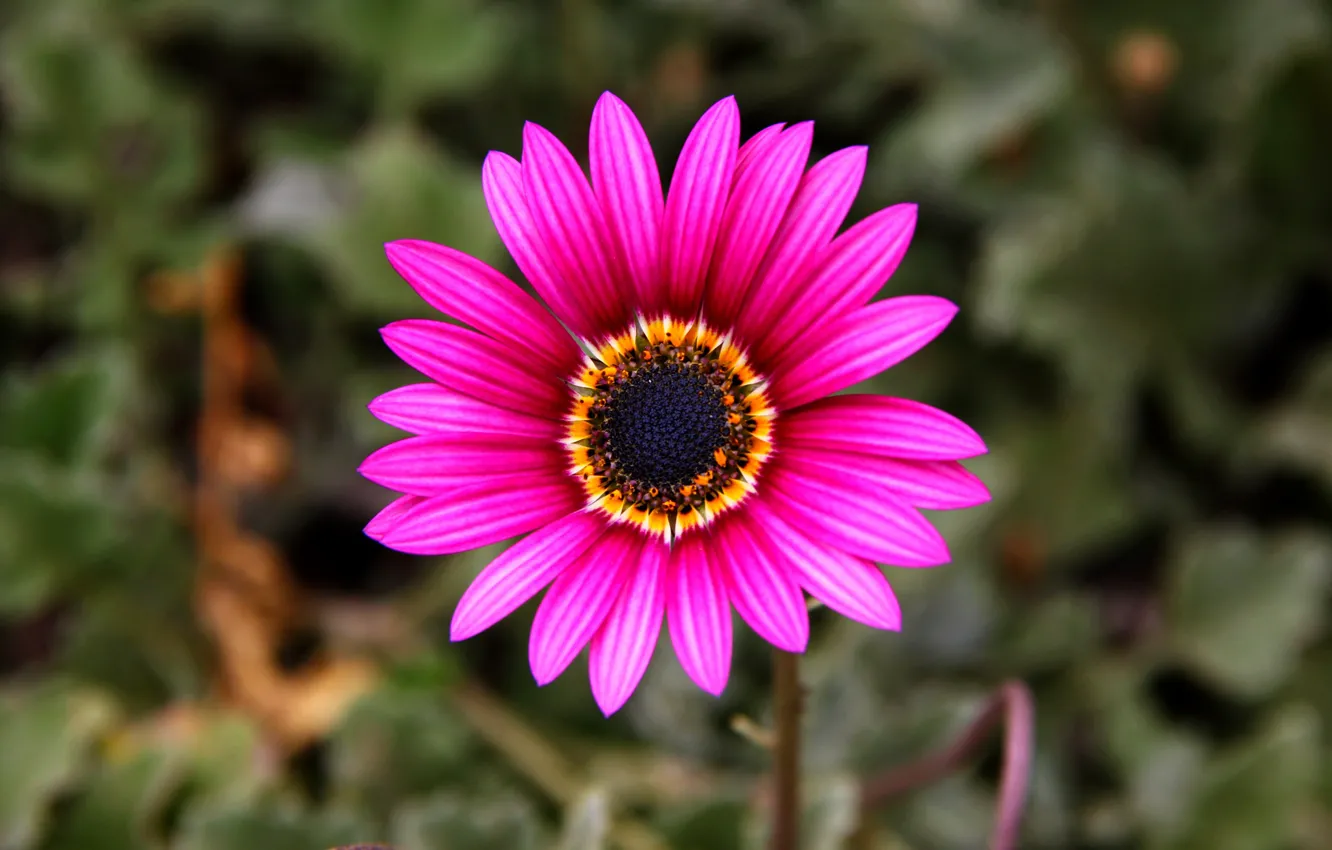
244,593
753,731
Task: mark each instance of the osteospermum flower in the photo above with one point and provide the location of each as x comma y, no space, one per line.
664,428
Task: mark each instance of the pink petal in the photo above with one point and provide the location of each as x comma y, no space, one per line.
934,484
880,425
857,346
573,229
475,365
882,529
756,146
429,465
845,275
577,603
695,203
471,291
821,202
628,186
763,190
502,183
764,591
698,615
621,651
432,409
479,514
388,517
851,586
524,568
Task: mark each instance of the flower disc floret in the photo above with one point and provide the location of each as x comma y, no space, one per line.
669,426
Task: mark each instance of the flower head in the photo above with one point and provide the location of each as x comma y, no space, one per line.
664,429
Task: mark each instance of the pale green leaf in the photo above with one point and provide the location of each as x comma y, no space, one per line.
1241,608
1250,795
46,736
450,822
587,822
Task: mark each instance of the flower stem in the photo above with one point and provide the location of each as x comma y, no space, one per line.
1012,704
786,698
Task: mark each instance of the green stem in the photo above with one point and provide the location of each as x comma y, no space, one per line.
786,698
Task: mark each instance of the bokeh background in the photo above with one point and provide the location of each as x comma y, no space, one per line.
1132,202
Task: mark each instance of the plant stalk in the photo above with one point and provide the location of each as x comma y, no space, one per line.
1011,705
787,699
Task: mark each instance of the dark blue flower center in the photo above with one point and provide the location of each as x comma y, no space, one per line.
664,424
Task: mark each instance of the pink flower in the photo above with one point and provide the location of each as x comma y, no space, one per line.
696,459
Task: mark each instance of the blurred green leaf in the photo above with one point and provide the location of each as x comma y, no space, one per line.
1297,431
1258,39
395,743
1049,819
40,504
55,412
91,124
1121,267
1162,765
38,507
270,827
912,724
669,710
1166,782
1129,730
842,702
420,47
450,822
1251,795
404,189
948,616
704,825
1241,608
122,806
830,812
1073,492
221,760
47,736
1003,86
1058,632
587,822
955,812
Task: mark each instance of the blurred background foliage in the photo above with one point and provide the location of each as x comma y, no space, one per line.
1132,201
